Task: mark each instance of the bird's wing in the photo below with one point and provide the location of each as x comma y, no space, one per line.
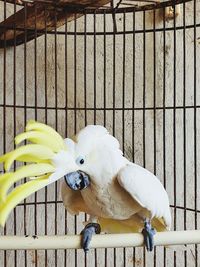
147,190
72,200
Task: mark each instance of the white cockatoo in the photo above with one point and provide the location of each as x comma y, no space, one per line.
119,196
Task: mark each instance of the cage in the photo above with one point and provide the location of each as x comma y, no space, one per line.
131,66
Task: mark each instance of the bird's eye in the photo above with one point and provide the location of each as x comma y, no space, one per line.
80,160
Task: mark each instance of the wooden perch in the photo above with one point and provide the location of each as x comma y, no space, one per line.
21,27
98,241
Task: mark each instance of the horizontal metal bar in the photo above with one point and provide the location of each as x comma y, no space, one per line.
59,32
101,109
98,241
60,202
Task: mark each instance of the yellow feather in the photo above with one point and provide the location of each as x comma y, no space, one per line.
37,126
117,226
46,141
19,194
29,158
132,225
38,152
23,158
38,137
8,179
4,157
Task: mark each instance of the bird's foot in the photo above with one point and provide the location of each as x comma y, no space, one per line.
87,233
148,233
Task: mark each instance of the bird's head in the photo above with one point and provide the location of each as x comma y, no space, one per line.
94,155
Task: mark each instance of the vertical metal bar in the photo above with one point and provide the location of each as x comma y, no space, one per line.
56,122
66,109
25,105
144,103
114,74
154,100
144,84
104,90
195,125
174,124
45,71
14,79
95,97
14,111
114,64
95,85
113,16
123,80
164,111
104,67
75,72
75,105
184,128
123,98
4,110
46,119
85,87
35,71
133,108
85,67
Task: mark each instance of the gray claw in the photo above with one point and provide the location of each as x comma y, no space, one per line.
87,233
148,233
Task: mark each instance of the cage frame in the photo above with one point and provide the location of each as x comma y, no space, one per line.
92,11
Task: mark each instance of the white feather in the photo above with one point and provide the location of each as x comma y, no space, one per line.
147,190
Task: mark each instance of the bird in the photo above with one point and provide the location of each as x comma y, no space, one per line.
120,196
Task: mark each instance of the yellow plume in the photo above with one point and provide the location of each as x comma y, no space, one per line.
37,153
8,179
39,138
20,193
46,143
37,126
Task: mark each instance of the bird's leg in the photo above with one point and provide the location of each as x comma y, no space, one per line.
87,233
148,233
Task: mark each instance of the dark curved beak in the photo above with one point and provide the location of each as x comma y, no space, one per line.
77,180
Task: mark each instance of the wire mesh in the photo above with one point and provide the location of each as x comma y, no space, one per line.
138,75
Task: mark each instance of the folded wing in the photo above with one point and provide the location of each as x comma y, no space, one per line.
147,190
